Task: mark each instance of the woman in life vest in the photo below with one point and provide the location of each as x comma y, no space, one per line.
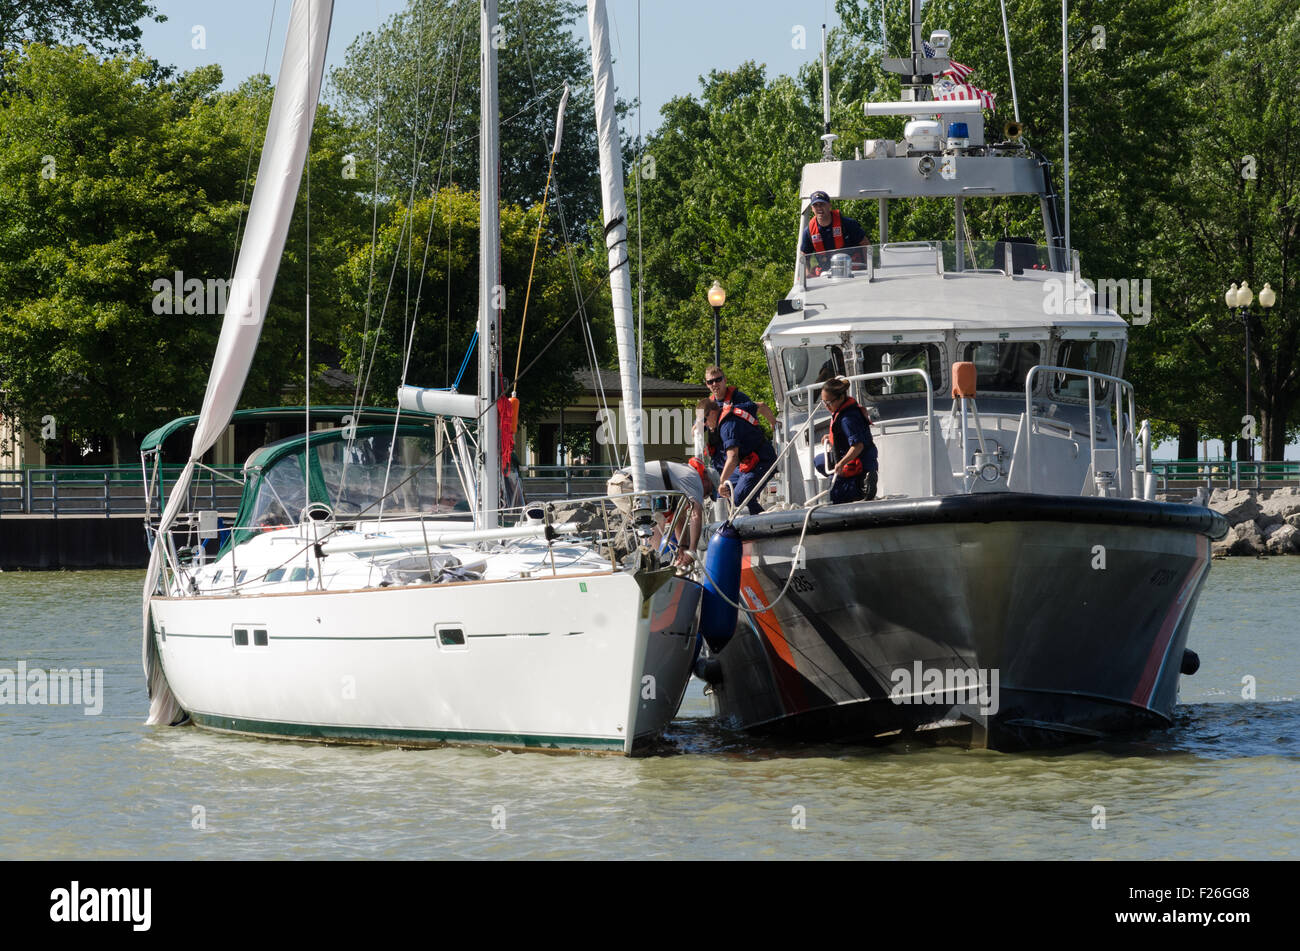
856,466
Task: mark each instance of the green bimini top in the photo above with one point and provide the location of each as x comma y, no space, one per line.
350,473
319,414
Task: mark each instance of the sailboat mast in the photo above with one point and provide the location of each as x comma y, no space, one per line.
615,209
491,294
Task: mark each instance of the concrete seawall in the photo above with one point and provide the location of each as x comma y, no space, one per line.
94,541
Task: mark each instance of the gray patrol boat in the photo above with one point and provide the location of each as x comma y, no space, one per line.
1014,584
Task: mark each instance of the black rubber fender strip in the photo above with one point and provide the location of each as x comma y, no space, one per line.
986,507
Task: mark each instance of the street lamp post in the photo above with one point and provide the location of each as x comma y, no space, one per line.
717,297
1241,298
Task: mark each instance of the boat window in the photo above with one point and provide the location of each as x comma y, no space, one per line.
280,494
259,638
1001,366
302,574
241,637
275,574
1097,356
806,365
882,358
418,482
217,577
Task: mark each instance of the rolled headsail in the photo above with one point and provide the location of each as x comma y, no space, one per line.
279,173
441,402
615,208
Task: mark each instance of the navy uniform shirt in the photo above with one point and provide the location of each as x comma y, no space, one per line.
852,428
740,434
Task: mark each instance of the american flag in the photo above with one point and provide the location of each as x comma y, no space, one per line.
957,72
966,91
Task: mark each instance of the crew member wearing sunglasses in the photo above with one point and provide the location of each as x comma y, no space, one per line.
750,456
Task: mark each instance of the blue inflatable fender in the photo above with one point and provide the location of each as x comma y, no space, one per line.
721,584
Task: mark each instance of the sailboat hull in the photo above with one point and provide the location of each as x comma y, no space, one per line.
594,662
1001,620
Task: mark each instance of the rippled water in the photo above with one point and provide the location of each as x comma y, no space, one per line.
1223,783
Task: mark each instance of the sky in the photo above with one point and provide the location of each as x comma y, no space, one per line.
680,40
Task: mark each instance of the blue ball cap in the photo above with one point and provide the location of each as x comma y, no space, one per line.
819,196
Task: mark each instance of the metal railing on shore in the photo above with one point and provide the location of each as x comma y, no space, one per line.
121,490
103,490
1228,474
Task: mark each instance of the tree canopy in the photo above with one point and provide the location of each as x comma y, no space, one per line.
116,174
415,82
112,185
106,25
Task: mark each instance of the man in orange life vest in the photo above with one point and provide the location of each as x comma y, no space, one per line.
749,454
827,230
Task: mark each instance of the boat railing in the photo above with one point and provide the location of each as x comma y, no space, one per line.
609,524
961,256
804,395
1126,438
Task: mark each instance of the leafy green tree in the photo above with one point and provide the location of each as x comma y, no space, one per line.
415,82
111,185
434,305
723,205
1235,215
107,25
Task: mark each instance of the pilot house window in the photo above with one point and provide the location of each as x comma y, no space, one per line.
900,356
1001,367
807,365
1097,356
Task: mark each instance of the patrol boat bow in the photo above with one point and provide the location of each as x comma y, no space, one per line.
1015,584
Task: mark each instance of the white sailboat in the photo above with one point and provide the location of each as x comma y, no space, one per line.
356,599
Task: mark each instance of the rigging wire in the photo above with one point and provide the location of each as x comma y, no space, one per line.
409,333
541,218
402,237
574,276
374,234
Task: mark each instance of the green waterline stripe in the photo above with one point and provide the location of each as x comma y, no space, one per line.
390,735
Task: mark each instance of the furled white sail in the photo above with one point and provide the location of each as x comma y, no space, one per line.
615,208
284,155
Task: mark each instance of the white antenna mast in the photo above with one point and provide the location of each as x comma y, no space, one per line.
1015,102
828,138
